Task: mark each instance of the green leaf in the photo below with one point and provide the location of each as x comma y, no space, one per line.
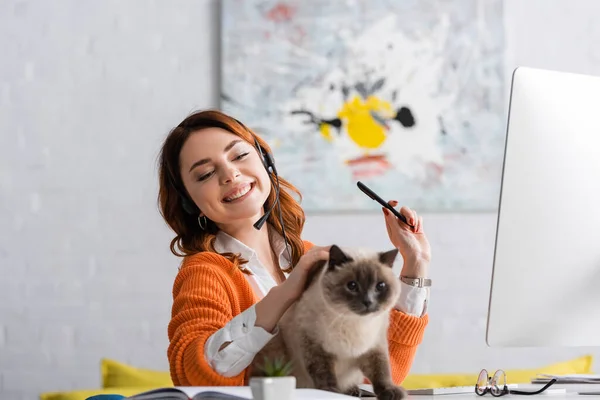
276,367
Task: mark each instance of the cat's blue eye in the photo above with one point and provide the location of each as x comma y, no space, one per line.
352,286
380,286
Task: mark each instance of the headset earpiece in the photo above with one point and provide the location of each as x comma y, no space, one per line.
265,157
188,207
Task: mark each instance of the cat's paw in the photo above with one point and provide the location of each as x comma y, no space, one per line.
392,393
353,391
331,389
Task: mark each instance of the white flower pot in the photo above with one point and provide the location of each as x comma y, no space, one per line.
273,388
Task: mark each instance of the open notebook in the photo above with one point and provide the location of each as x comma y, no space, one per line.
226,393
195,393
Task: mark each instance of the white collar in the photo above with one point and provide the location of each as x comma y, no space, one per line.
225,243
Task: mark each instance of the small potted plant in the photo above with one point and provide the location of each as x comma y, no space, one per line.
276,384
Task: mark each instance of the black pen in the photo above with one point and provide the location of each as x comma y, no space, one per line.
378,199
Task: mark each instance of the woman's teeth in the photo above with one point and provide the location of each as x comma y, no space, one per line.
242,191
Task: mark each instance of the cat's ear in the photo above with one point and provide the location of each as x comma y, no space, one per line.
388,257
337,257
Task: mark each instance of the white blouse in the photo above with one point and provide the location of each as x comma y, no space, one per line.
246,340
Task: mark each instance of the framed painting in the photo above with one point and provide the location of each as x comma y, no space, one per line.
406,96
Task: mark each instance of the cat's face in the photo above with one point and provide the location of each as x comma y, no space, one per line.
361,284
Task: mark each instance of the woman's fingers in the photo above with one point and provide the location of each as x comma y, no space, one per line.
411,215
315,254
419,227
412,218
387,217
322,254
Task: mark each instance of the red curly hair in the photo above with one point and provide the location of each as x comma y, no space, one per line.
190,239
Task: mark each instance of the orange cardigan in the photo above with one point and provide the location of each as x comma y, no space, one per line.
208,292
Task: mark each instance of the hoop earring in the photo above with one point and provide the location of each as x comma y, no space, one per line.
202,222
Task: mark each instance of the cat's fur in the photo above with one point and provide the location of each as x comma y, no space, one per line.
336,333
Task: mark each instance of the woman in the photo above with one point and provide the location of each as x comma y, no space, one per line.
236,281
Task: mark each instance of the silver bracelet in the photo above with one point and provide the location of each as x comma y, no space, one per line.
418,282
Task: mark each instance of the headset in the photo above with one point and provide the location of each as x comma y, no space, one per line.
269,163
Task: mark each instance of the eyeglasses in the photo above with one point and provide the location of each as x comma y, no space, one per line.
496,385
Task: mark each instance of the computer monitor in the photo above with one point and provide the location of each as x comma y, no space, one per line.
545,288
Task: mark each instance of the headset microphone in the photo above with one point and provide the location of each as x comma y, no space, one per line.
269,161
269,165
258,224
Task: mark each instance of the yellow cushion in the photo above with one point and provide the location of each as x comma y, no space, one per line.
121,378
84,394
120,375
580,365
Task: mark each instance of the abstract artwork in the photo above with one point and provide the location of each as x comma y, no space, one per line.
406,96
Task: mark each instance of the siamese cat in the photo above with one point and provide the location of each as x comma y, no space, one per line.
335,335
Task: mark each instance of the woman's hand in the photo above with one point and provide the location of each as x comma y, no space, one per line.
294,284
272,307
411,242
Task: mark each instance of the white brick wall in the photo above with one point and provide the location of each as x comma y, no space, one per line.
87,92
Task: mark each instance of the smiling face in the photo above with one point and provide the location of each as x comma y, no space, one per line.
224,176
